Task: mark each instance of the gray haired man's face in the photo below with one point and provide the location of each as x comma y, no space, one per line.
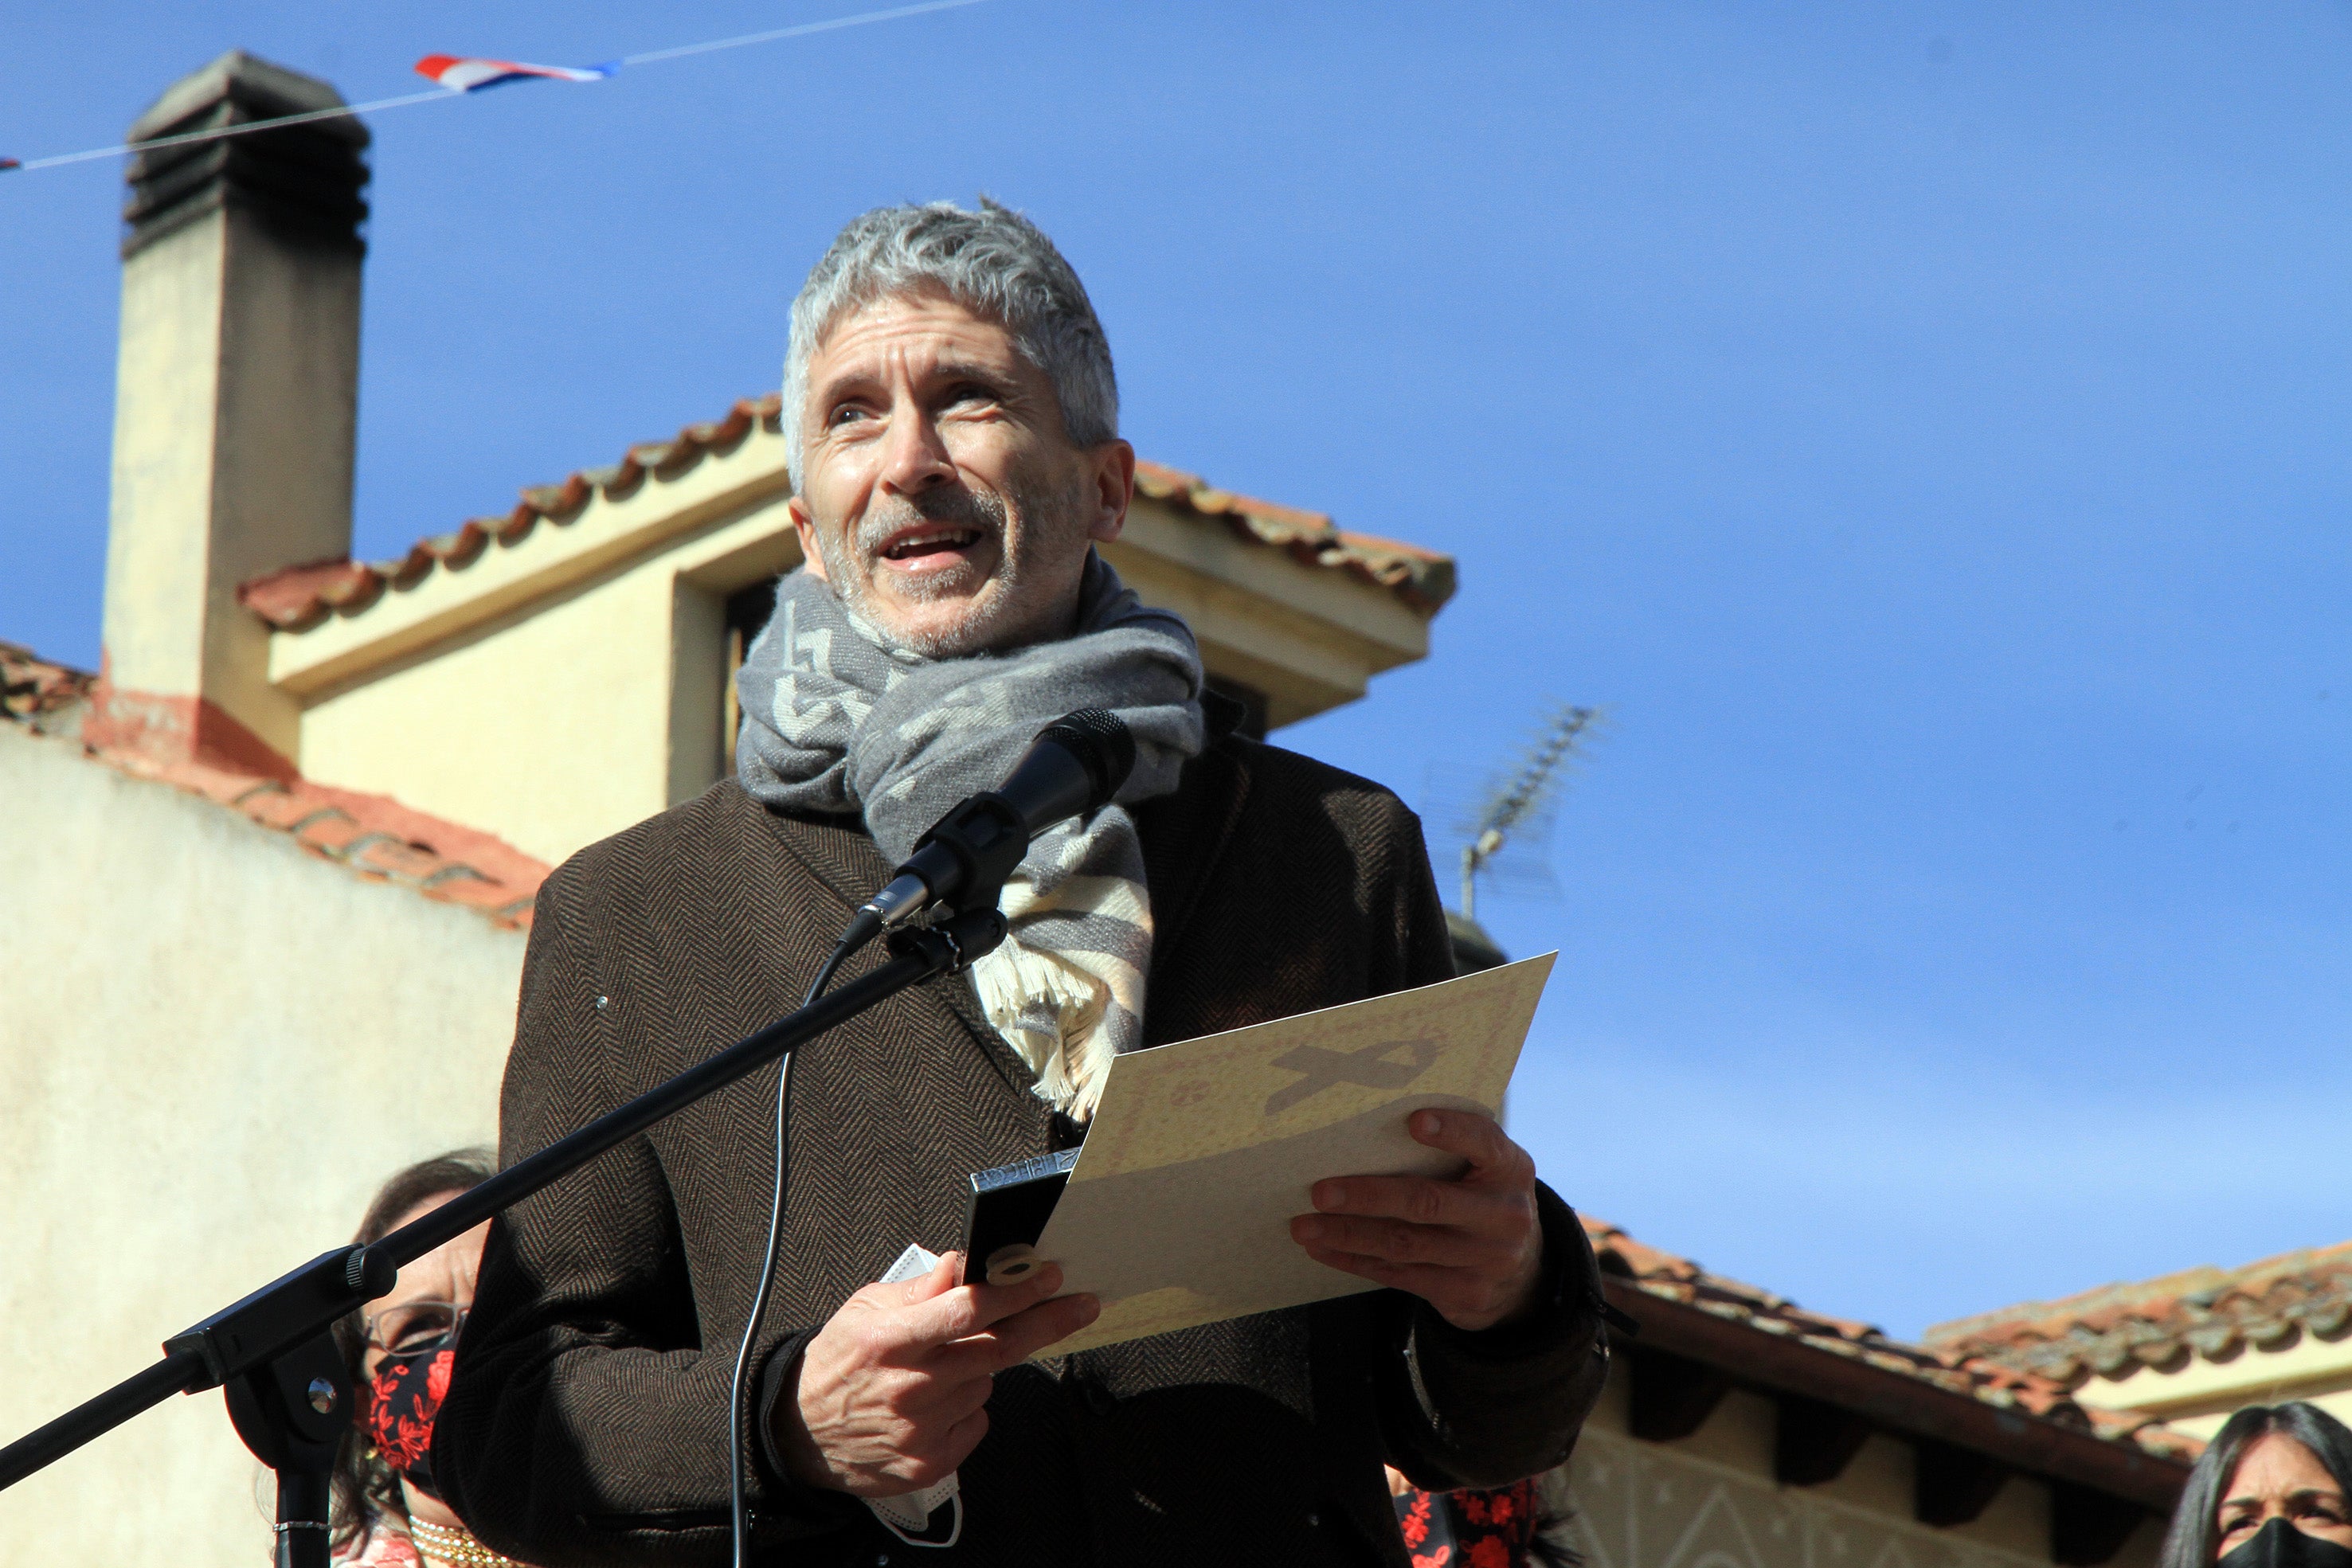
942,497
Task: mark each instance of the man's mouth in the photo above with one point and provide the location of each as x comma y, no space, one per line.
930,546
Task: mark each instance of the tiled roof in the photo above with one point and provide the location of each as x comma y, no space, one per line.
371,836
1982,1379
2163,1323
300,596
34,690
1423,579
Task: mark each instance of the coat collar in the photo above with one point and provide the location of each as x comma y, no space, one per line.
1185,836
840,856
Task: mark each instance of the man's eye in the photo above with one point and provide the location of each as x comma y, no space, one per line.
845,414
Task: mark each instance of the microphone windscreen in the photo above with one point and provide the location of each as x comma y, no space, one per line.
1103,744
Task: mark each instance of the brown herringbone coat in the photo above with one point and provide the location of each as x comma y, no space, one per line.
587,1421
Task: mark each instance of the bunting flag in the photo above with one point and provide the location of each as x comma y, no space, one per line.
454,76
466,73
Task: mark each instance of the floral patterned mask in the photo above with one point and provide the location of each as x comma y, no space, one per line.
398,1413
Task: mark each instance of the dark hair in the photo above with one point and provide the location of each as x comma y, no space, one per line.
2196,1528
362,1486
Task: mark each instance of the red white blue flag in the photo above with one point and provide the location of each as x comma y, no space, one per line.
466,73
458,75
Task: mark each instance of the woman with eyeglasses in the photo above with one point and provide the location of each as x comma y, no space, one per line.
2271,1490
399,1349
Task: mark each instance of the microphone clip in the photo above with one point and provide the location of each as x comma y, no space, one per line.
968,936
986,836
1074,767
971,852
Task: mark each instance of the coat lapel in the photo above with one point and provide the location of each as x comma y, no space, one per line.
841,856
1184,835
1184,838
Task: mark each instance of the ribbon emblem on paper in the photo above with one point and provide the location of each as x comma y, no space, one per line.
1367,1066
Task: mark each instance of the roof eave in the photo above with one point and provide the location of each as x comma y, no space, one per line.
1898,1402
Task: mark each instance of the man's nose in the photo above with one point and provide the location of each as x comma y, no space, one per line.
914,454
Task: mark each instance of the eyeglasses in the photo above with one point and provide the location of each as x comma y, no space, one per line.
414,1328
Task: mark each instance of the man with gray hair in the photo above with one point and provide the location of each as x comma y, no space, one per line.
953,425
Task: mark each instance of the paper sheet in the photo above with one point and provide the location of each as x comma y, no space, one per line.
1201,1152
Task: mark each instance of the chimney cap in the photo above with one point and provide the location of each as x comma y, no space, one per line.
303,182
252,84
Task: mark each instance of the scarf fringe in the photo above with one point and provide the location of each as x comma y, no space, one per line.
1050,1011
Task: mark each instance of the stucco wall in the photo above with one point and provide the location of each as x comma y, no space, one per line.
2201,1393
237,393
570,718
550,730
213,1047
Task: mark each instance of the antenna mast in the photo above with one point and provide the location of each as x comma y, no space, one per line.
1521,798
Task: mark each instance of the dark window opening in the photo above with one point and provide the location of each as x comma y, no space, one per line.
747,612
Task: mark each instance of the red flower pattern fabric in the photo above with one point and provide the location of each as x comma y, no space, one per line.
406,1395
1469,1529
1413,1519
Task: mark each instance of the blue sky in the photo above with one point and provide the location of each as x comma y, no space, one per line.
1924,426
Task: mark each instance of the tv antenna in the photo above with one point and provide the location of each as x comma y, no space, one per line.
1522,802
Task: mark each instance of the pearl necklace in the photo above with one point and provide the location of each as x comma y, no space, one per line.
456,1547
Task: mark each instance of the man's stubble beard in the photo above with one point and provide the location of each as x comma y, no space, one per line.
998,607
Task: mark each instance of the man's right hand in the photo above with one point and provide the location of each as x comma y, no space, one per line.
890,1394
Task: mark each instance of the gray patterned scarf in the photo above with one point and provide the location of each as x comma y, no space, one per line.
836,719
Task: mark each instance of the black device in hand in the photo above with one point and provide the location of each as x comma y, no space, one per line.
1005,1214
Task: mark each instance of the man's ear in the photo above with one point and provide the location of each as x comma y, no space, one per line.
812,560
1114,476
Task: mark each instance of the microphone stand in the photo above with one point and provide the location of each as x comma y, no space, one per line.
288,1395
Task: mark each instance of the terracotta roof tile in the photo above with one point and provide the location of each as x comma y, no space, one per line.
1986,1380
1423,579
2163,1323
33,690
372,835
298,598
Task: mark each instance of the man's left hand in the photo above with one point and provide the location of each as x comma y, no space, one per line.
1471,1246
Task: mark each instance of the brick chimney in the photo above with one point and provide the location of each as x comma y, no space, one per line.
235,405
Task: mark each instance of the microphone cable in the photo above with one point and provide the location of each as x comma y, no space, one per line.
738,1455
978,837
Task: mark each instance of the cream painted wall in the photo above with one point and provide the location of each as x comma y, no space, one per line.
556,724
2201,1394
1710,1500
213,1047
1310,637
237,393
548,729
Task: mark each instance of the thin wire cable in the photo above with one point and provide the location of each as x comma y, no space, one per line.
221,132
800,30
441,94
738,1516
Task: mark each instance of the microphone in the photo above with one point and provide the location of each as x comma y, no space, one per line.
1074,766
